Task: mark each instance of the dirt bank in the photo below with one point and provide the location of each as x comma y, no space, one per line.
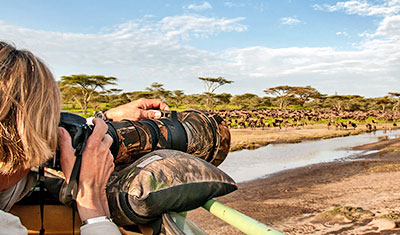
358,197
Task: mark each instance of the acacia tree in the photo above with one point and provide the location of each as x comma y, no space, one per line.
381,102
135,95
224,98
318,102
158,91
247,100
396,95
113,98
87,84
305,93
357,103
298,94
71,95
176,98
283,94
210,85
192,101
341,102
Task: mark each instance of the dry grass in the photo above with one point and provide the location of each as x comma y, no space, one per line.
385,168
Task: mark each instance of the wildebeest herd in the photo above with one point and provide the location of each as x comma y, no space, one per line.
283,118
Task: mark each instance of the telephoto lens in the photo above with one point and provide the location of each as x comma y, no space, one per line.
203,135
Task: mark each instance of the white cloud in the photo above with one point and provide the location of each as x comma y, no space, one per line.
342,34
365,34
389,26
290,20
232,4
327,69
363,7
186,26
140,52
201,7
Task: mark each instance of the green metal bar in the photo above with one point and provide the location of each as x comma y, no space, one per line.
181,223
238,220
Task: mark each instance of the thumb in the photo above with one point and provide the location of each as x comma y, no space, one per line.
64,139
67,153
151,114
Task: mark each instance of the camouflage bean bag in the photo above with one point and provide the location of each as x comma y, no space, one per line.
163,181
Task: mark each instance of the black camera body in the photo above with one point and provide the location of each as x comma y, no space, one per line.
79,131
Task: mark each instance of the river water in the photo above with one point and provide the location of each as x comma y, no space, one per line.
247,165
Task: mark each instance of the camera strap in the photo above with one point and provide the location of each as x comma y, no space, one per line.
41,195
72,187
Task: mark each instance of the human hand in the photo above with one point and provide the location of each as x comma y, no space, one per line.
97,166
137,110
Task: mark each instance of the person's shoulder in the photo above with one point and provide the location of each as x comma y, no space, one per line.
11,224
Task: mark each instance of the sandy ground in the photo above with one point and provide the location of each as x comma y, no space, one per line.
357,197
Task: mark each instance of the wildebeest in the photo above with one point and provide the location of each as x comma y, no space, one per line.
352,124
369,127
300,117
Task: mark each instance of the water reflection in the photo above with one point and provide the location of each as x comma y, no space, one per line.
246,165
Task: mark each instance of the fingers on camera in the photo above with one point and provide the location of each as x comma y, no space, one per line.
100,128
107,140
64,141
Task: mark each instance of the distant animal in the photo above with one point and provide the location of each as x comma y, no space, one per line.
252,123
352,124
277,123
369,127
241,124
299,124
329,125
343,125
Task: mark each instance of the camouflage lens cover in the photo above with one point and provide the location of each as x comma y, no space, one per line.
164,181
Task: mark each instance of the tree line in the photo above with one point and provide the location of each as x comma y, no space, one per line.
91,92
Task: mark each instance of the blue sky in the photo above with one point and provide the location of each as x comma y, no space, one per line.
343,47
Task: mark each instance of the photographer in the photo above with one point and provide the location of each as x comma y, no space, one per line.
30,106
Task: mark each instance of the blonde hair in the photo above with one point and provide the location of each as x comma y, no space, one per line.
30,107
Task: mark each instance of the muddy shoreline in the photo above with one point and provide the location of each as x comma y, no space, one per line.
341,197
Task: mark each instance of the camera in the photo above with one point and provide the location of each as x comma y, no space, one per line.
145,159
204,135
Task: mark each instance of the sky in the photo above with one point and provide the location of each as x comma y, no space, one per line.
337,47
